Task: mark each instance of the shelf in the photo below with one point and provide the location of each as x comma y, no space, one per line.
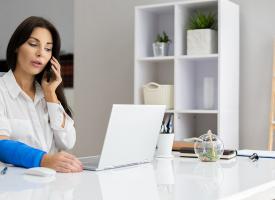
156,59
157,9
149,22
195,124
198,4
197,111
184,11
193,76
198,57
202,82
161,72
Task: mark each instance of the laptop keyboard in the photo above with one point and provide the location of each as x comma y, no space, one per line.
130,164
94,160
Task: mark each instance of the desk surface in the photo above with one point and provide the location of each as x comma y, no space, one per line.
173,179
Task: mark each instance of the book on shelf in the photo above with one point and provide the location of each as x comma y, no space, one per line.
177,145
190,152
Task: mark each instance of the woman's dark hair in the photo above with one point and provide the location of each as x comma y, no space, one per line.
21,35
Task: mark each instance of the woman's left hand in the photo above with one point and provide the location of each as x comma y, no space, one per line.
50,87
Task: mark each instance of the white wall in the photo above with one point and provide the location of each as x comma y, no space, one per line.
59,12
104,49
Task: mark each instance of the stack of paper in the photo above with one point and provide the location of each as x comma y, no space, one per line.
260,153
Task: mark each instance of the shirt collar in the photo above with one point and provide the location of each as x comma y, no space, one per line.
14,89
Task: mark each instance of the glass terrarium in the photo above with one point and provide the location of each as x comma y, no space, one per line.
209,147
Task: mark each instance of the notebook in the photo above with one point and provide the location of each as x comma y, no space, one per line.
260,153
190,152
130,139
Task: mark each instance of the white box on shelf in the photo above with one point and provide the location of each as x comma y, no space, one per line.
202,41
159,94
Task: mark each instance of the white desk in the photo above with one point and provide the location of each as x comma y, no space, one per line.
174,179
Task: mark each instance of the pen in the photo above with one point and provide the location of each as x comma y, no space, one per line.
170,124
4,171
162,128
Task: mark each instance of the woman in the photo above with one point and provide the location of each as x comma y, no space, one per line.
35,120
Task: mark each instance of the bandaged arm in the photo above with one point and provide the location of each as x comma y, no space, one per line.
20,154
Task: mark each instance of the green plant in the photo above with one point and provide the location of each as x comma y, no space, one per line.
203,21
162,38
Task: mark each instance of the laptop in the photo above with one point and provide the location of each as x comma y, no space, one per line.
130,139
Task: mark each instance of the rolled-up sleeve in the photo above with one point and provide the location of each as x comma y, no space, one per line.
5,128
64,137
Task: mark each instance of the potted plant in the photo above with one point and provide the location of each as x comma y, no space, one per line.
202,34
161,45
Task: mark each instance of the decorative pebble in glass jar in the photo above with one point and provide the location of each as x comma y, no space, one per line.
209,147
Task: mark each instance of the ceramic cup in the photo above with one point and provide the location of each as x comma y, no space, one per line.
165,144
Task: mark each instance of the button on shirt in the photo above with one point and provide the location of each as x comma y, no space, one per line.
36,123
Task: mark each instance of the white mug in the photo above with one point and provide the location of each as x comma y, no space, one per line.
165,144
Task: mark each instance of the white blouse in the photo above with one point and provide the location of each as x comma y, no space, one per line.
36,123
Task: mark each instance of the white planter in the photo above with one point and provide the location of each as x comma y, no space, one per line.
202,41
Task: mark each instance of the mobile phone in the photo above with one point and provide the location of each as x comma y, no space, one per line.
48,71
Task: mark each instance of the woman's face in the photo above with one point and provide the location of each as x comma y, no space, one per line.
35,53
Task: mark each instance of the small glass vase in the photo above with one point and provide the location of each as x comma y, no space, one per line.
209,147
160,48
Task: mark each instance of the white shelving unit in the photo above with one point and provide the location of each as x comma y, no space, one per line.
186,72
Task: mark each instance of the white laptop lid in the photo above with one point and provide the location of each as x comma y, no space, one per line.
131,135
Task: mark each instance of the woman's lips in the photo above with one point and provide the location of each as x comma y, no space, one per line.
36,64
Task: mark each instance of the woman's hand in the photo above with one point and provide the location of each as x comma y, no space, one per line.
50,87
62,162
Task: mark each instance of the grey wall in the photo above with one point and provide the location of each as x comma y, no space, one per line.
257,33
59,12
104,49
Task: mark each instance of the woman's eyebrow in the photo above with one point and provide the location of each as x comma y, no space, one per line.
39,40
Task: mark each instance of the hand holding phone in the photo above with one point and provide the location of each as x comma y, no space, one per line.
51,76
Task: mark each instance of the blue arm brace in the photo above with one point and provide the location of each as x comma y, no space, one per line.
20,154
